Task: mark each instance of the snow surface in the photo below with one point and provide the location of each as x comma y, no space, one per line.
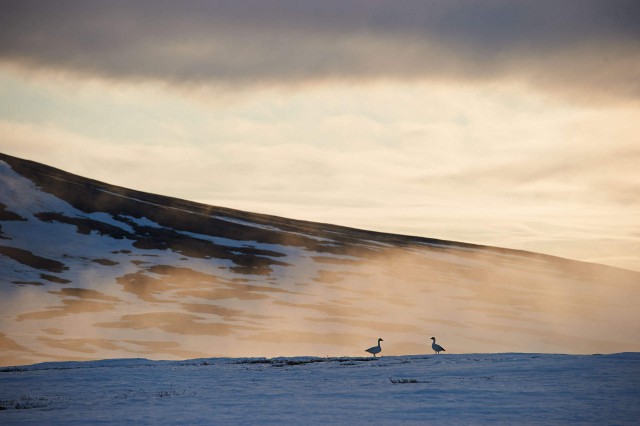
427,389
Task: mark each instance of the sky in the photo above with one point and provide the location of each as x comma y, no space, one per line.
512,124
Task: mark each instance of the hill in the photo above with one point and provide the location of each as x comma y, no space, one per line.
89,270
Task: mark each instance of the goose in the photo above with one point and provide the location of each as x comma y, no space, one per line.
437,348
375,349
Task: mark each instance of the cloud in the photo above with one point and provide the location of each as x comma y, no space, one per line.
487,163
587,49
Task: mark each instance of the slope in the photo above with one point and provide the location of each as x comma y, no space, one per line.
90,270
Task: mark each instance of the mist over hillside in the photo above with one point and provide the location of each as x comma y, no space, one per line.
91,271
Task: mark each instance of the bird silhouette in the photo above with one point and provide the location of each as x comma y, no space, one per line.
375,349
437,348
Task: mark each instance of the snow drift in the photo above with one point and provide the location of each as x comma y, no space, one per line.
470,389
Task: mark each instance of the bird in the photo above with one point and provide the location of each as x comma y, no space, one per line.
437,348
375,349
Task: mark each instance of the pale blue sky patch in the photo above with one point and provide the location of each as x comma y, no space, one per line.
99,109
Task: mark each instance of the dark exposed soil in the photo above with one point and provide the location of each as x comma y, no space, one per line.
29,259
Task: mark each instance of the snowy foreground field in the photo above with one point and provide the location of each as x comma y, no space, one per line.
428,389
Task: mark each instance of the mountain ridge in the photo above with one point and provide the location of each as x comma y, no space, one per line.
39,172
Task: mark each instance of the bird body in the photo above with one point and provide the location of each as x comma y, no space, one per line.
437,348
375,349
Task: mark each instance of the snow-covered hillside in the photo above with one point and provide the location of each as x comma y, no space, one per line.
93,271
458,389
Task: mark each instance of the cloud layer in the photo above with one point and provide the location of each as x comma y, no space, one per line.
585,48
